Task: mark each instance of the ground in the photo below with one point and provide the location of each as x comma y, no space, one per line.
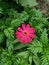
43,5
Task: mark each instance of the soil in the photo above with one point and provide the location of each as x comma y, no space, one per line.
43,5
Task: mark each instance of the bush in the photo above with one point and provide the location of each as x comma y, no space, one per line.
12,52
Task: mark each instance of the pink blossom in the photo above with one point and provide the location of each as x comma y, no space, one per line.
25,33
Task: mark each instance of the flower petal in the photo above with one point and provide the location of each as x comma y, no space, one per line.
24,39
23,26
32,30
32,35
27,26
19,35
19,29
29,39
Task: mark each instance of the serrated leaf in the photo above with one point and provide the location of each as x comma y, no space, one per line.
30,59
36,46
16,23
45,57
9,32
36,60
9,44
24,54
2,36
24,16
44,37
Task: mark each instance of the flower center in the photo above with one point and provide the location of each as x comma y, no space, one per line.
25,33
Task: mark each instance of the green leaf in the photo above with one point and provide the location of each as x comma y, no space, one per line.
45,57
9,32
30,59
16,22
44,37
23,54
36,60
17,1
28,2
20,46
24,16
6,58
2,36
1,10
36,46
35,13
15,41
9,44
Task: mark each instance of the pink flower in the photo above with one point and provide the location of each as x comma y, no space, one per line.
25,34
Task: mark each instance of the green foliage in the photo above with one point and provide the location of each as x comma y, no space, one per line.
25,3
2,36
36,46
12,52
44,37
16,23
1,10
28,2
45,57
9,32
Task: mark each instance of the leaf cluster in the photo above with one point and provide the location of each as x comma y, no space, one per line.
12,52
